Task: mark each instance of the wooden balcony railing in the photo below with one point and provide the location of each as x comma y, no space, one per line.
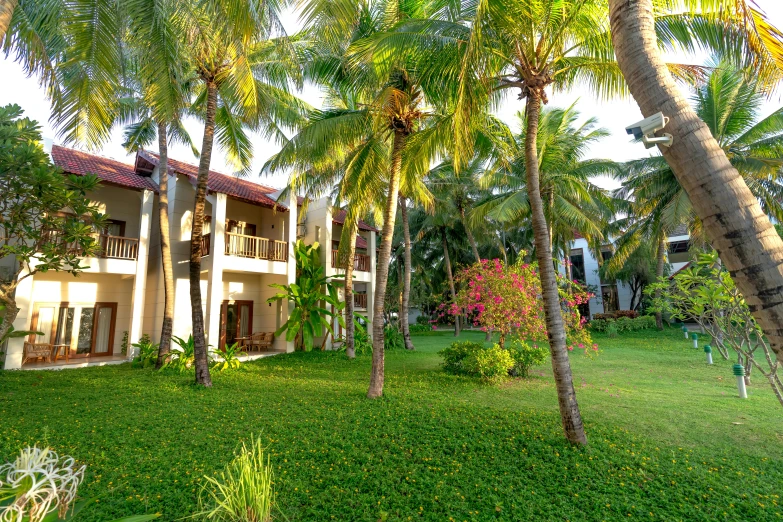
361,262
116,247
254,247
110,247
360,301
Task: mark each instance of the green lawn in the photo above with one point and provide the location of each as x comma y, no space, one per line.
669,440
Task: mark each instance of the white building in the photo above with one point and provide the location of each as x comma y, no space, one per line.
615,295
247,245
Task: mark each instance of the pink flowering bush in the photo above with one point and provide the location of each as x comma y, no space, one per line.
507,299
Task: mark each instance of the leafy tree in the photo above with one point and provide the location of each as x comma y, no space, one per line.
706,293
733,219
48,222
638,271
310,293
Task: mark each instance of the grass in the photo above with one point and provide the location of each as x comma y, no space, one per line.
669,440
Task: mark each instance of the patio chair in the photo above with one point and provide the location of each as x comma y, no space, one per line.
37,351
260,341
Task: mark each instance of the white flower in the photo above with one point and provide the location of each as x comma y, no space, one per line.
41,483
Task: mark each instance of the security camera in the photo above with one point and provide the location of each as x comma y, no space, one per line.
645,130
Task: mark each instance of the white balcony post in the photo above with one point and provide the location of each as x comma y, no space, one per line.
24,301
288,308
140,279
217,251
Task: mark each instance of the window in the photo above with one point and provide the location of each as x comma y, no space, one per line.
609,298
679,251
578,265
606,255
241,227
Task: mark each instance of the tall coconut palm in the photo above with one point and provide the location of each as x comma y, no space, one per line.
242,60
728,102
572,203
733,219
159,93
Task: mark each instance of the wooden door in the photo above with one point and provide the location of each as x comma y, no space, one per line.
236,320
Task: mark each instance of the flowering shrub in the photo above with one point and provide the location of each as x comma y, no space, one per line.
507,299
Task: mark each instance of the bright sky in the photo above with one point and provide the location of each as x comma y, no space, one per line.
615,115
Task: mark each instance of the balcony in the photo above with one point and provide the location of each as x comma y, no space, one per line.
110,247
250,247
361,262
360,301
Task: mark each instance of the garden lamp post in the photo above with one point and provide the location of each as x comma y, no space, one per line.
739,371
685,331
695,338
708,351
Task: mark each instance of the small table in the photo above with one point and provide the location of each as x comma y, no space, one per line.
241,342
56,348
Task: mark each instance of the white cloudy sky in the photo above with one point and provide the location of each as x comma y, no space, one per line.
615,115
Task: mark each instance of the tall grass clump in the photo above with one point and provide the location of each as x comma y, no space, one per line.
243,491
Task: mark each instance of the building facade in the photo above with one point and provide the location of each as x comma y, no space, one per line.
616,295
248,239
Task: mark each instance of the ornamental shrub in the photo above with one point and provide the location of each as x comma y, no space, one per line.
455,354
525,357
491,364
423,319
506,299
392,338
420,328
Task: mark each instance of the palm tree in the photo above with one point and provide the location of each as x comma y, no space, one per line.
728,102
572,203
243,77
733,219
159,95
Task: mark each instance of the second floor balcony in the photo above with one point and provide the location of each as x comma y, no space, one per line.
109,246
252,247
361,262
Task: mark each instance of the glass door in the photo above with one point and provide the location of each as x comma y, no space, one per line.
236,321
87,329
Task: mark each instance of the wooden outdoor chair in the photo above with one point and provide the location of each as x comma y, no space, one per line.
260,341
37,351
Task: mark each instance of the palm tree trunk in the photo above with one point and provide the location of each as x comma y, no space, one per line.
452,288
566,395
382,267
7,8
200,344
406,277
658,274
733,220
471,239
165,247
350,348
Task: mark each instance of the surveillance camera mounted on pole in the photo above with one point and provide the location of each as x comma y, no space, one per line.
645,130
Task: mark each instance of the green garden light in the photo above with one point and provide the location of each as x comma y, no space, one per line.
739,371
685,331
695,338
708,351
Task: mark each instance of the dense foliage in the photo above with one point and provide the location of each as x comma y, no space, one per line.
47,221
506,299
315,297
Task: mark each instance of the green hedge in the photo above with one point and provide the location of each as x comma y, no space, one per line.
622,324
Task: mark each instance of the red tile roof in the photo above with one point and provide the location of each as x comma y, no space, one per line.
223,183
361,242
339,218
107,170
